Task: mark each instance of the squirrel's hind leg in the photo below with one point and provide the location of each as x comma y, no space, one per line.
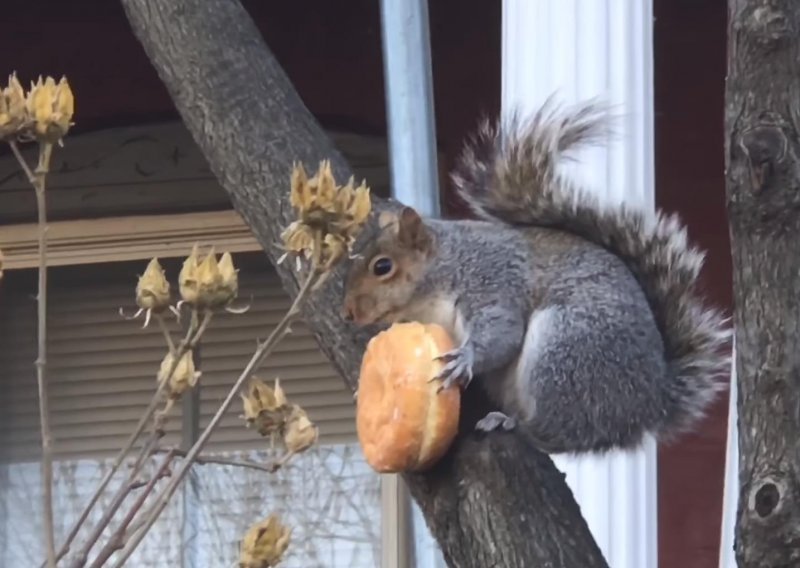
591,374
496,421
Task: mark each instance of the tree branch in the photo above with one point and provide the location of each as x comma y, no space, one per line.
492,502
763,198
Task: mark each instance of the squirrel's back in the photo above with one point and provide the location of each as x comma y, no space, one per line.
509,173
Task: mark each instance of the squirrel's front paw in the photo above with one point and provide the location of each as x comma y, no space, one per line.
458,369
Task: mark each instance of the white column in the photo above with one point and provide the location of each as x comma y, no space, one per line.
580,49
730,499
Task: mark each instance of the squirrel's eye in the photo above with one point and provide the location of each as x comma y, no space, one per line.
382,266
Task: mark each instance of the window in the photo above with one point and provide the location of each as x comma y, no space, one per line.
102,374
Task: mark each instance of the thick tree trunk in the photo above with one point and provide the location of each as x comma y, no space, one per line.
493,502
763,192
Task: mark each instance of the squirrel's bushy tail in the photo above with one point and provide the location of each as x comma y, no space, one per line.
509,172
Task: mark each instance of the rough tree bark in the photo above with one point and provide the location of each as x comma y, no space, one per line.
493,502
763,198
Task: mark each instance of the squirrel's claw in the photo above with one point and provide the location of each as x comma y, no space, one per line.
458,369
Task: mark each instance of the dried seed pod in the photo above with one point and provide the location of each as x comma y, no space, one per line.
300,433
361,205
301,196
229,280
152,290
183,378
50,105
298,238
334,248
259,397
326,188
264,544
209,280
13,113
187,279
329,216
265,408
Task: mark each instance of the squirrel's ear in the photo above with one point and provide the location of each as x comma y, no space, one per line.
412,231
386,219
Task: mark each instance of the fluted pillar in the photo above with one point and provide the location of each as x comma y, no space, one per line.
580,49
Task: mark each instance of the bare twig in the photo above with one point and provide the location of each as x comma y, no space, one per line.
167,337
37,179
117,540
193,335
45,151
261,353
214,460
116,503
23,164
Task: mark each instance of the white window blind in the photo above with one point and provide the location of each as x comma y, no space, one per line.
101,368
304,372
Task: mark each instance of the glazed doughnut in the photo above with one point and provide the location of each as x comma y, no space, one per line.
402,423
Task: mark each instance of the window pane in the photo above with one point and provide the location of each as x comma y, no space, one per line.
328,496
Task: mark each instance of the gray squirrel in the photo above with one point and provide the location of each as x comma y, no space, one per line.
582,321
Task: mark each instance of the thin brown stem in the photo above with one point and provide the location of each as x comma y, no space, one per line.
260,354
117,501
117,540
201,330
37,179
22,162
167,336
193,335
110,473
213,460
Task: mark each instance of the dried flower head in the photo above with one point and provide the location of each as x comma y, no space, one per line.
300,433
50,106
272,415
298,238
329,216
209,279
229,284
188,284
152,290
13,114
183,378
334,247
265,408
264,544
208,283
